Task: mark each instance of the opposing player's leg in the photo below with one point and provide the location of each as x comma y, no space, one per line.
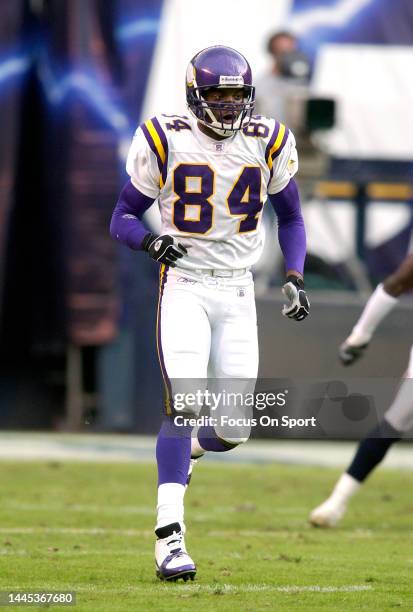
371,451
183,338
233,365
381,302
369,454
378,306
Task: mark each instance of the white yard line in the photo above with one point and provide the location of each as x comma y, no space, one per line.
102,510
148,533
252,588
218,588
73,552
94,531
138,510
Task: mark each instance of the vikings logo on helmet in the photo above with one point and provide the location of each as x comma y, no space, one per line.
220,67
190,75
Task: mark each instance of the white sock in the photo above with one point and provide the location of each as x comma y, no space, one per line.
345,488
170,504
378,306
409,373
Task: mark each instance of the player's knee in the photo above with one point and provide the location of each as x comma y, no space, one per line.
232,442
233,430
187,412
187,402
400,422
238,441
397,284
399,417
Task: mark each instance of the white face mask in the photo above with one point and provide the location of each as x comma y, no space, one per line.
209,118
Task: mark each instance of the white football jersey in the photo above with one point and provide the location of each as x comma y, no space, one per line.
211,192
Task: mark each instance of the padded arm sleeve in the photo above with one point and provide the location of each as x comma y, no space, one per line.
291,230
126,225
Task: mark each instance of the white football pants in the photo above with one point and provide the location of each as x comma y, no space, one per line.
207,328
400,413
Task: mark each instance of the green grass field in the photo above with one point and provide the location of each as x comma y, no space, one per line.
88,528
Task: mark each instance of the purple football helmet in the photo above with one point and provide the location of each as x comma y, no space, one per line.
220,67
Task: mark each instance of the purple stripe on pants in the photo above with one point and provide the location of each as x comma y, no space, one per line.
166,379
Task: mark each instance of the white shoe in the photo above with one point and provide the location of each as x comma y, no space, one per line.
171,558
328,514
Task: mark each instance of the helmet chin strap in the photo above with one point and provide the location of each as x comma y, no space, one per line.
220,131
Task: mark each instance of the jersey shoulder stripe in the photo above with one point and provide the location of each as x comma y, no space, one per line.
158,142
276,143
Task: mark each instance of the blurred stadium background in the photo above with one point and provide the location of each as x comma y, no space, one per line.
78,365
77,313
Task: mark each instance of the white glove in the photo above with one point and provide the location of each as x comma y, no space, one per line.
299,306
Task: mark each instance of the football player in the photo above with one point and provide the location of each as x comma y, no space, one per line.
397,419
211,172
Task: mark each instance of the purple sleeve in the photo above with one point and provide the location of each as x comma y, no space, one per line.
291,230
126,225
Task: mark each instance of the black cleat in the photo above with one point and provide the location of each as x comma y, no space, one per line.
190,575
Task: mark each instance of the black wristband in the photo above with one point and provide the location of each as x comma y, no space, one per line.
148,240
295,280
